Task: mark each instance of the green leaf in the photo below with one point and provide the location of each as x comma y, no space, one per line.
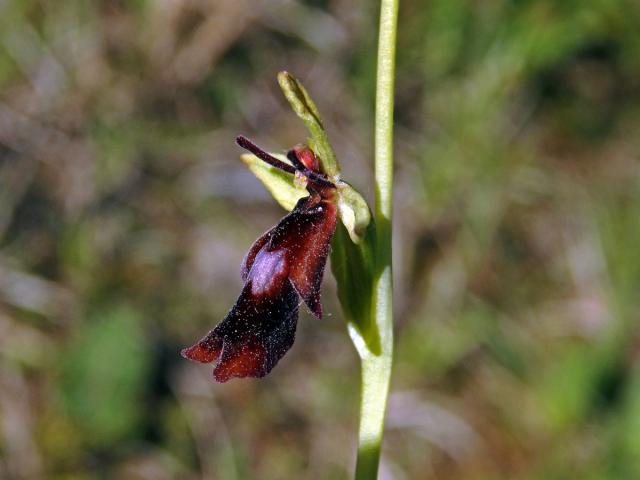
281,185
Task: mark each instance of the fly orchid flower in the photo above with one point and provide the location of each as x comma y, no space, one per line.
286,263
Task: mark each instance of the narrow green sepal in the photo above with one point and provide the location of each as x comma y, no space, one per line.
306,109
281,185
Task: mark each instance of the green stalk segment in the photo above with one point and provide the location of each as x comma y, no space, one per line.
376,365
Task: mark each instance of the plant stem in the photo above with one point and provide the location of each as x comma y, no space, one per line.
376,366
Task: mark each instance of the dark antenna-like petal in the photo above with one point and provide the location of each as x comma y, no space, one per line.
315,177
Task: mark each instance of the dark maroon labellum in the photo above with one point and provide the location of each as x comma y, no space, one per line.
284,264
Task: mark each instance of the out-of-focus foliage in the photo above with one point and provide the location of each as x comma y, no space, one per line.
125,212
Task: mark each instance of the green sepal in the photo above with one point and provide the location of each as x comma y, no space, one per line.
353,211
306,109
281,185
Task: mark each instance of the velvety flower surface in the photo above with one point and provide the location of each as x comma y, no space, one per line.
284,264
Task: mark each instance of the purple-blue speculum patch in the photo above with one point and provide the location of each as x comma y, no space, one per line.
285,264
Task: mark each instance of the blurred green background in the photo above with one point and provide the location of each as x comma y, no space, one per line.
125,212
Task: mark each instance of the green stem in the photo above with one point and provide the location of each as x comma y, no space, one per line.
376,366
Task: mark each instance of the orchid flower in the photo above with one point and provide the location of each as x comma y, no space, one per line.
286,263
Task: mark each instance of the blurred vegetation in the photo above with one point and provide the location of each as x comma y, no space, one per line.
125,212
